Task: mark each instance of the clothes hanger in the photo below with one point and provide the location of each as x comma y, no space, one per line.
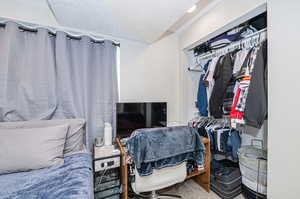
210,121
224,123
204,121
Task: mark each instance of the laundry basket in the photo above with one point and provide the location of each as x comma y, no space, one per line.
253,166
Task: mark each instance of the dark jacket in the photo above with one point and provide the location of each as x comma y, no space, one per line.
222,76
256,104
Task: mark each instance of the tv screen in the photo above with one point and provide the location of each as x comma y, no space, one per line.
132,116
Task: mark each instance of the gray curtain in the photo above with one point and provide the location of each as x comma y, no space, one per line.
55,77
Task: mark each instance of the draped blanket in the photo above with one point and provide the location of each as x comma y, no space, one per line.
156,148
73,180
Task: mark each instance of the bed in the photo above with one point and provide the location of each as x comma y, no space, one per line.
74,179
71,178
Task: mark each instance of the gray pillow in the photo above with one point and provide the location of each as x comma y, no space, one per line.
27,149
75,137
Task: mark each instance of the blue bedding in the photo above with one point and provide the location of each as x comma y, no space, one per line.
73,180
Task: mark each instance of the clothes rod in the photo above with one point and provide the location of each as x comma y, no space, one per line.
234,45
194,70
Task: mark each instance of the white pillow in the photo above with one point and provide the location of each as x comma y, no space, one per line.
75,137
27,149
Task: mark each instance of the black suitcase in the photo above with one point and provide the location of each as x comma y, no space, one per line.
226,182
228,163
226,195
218,164
250,194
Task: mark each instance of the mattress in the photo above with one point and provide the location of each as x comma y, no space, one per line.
72,180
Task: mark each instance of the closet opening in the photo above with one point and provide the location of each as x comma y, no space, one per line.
232,104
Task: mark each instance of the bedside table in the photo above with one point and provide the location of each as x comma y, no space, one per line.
106,163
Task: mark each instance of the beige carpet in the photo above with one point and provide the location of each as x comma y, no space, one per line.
190,190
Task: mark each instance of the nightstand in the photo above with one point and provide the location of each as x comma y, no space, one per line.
106,163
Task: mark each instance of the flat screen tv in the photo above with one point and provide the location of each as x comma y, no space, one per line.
132,116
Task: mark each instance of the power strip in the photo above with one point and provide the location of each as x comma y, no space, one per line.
108,163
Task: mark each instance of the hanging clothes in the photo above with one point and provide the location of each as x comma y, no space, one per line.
224,140
235,115
239,60
239,57
202,102
234,143
228,99
222,77
209,77
244,78
228,78
256,104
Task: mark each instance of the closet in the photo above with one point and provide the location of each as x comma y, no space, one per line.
232,107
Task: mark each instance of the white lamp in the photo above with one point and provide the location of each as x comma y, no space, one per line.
107,134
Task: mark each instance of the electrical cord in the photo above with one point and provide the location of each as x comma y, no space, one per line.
102,175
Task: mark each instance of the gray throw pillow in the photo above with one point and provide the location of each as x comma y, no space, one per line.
75,137
28,149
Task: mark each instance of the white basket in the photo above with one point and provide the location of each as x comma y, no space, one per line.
253,166
254,186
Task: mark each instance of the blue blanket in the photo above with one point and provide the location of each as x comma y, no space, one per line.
156,148
73,180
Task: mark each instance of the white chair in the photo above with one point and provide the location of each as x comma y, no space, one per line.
159,179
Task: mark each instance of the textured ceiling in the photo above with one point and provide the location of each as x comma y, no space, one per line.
33,11
140,20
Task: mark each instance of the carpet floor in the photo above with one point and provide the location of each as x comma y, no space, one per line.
191,190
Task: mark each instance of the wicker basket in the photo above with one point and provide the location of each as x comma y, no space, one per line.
253,166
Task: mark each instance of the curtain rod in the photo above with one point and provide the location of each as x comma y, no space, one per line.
53,33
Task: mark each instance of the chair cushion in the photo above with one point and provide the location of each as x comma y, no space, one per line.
159,179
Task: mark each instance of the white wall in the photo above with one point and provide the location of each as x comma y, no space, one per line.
150,73
284,103
216,19
222,13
